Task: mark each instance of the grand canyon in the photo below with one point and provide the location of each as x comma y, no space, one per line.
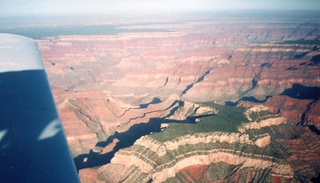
201,98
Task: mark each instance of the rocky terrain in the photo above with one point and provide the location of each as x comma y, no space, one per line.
267,149
113,92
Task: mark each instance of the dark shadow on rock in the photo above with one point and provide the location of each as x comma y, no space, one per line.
126,139
266,64
253,99
192,119
316,179
155,100
201,78
300,56
314,129
248,99
232,104
315,60
293,68
302,92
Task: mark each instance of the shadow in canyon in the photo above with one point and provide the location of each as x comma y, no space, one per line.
201,78
297,91
253,99
315,60
155,100
229,103
316,179
254,84
314,129
127,139
302,92
248,99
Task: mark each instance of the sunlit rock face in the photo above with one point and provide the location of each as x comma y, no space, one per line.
108,86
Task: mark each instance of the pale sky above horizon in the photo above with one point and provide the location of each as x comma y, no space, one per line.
49,7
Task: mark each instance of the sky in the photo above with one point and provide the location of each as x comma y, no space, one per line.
55,7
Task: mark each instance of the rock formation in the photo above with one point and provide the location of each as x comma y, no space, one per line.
257,152
108,86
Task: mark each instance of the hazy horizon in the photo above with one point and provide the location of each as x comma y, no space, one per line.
122,7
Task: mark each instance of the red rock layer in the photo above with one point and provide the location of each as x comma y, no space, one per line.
303,153
100,81
204,60
312,116
193,173
292,109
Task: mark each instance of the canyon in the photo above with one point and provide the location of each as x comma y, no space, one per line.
239,95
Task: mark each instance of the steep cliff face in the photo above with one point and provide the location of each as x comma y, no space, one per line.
90,121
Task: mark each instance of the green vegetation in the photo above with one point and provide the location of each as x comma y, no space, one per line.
282,131
261,115
228,119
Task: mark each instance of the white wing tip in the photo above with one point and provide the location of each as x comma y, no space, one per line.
18,53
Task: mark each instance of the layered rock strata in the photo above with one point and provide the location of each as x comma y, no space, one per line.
160,166
254,155
107,85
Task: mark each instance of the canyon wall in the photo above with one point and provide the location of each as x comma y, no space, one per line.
108,87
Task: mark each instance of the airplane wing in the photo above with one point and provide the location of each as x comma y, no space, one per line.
33,147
